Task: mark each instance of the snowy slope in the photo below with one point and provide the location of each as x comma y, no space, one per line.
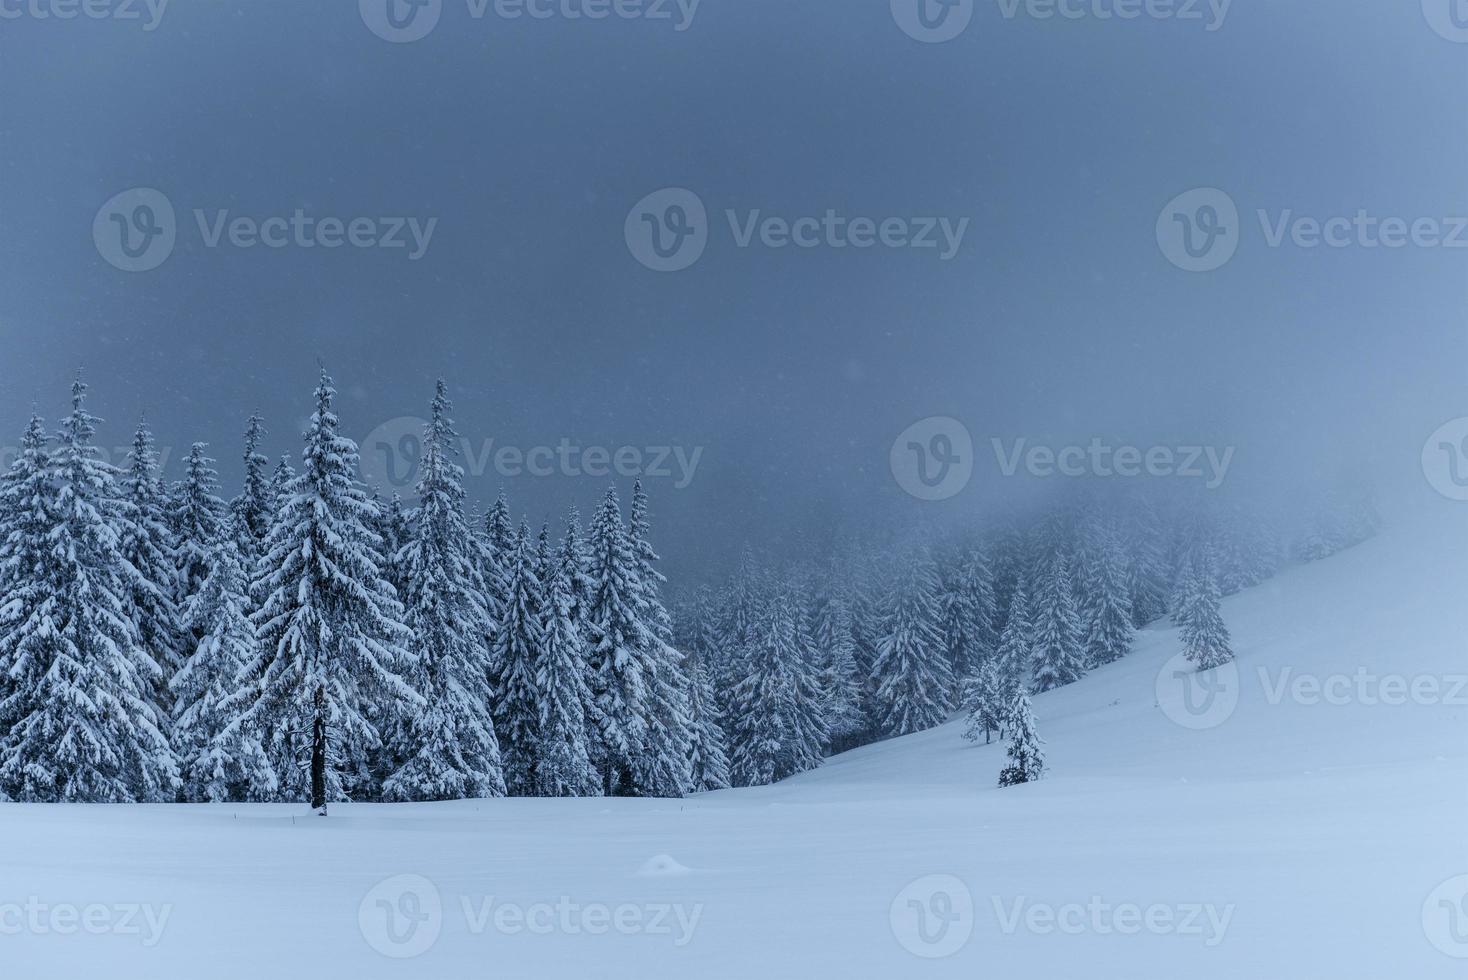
1291,839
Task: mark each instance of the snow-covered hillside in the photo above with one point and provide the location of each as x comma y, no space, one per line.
1279,830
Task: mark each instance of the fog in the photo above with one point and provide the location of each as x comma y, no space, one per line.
994,232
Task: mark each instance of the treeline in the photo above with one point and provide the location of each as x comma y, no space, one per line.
308,641
883,640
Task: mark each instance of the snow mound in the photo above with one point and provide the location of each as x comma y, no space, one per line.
663,866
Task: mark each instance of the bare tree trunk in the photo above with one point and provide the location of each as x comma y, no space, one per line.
318,753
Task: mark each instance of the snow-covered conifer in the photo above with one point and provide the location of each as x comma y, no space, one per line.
147,546
218,760
1108,613
89,729
198,521
333,651
252,509
1204,635
516,650
564,766
1016,655
26,518
984,697
708,759
841,679
915,682
1057,653
448,749
1025,749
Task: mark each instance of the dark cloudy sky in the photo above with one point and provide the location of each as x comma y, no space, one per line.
1058,318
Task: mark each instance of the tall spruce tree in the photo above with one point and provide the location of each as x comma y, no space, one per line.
708,759
516,651
1205,637
88,729
1058,657
915,681
841,679
663,767
1107,610
771,733
333,652
251,511
564,766
1016,653
449,749
27,516
623,664
198,521
147,546
218,760
1146,566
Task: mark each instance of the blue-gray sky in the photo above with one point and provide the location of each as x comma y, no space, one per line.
1059,318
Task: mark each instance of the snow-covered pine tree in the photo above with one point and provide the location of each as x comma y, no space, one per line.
394,525
1204,635
545,558
88,729
915,682
1025,749
1146,565
1016,655
517,645
499,544
198,521
740,609
449,749
639,529
621,667
1108,613
708,760
841,678
1190,538
26,518
333,652
977,577
251,511
1058,657
663,768
957,617
564,766
768,739
810,735
147,546
218,761
984,697
280,487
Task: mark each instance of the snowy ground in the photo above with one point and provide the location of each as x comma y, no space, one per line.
1290,840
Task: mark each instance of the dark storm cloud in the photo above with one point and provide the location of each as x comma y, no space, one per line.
994,229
